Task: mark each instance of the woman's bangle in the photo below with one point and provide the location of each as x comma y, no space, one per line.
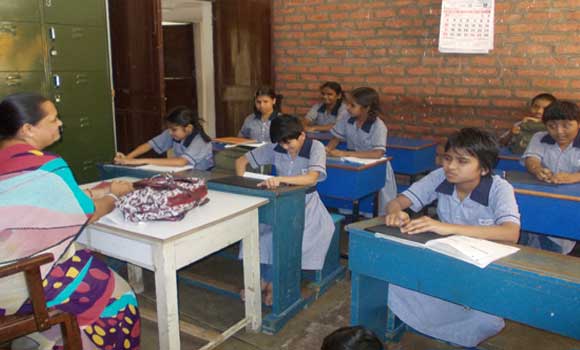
110,194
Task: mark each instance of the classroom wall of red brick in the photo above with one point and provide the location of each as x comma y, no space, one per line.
391,45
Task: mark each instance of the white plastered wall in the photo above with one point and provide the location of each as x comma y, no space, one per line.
200,14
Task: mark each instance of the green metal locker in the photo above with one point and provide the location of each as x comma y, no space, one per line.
20,10
60,48
81,12
76,48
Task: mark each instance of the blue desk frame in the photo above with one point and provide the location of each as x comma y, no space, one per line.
550,209
534,287
509,161
412,157
349,184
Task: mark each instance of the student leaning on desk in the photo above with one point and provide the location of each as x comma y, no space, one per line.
42,211
470,202
298,161
553,156
184,135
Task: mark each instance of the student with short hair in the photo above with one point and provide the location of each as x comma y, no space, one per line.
352,338
365,135
470,202
518,137
298,161
323,115
184,135
553,156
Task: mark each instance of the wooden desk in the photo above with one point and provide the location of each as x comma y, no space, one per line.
549,209
165,247
411,156
509,161
348,184
534,287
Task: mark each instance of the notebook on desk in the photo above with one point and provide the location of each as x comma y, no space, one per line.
395,234
524,178
475,251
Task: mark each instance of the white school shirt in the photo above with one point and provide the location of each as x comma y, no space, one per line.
255,128
318,114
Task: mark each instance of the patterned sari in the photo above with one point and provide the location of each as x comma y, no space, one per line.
43,210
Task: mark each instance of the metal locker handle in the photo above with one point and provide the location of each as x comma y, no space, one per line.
52,33
57,81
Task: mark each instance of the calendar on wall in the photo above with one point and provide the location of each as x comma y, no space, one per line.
466,26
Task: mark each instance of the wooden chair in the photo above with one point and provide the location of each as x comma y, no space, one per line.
41,319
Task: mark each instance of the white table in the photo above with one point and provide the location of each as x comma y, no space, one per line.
165,247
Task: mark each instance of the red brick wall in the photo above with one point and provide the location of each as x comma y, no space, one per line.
391,45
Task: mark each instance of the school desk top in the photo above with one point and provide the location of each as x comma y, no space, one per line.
526,183
532,286
408,143
509,161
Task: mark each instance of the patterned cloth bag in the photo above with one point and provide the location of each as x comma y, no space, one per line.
163,197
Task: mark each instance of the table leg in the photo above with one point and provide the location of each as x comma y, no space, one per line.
251,262
135,277
166,297
355,210
369,303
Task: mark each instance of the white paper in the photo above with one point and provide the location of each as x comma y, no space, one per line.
256,176
164,169
467,26
364,161
479,252
249,144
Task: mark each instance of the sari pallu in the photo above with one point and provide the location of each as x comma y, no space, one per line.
43,210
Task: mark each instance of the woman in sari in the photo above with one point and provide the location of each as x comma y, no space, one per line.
42,209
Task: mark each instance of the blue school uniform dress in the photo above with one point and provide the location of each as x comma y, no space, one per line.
492,202
193,148
255,128
318,224
318,114
543,147
370,136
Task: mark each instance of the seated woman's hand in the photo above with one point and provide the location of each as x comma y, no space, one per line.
397,219
120,188
119,156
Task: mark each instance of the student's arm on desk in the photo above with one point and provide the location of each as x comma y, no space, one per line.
141,149
566,178
396,216
174,161
507,231
534,166
332,144
308,179
311,128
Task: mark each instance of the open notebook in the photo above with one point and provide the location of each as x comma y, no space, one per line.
475,251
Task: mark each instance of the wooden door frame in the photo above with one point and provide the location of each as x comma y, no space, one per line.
200,14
